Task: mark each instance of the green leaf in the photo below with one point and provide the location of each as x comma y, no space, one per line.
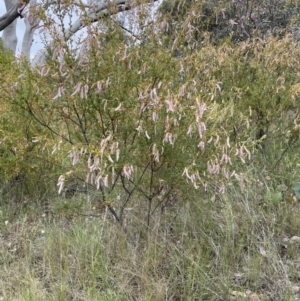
296,189
276,197
296,186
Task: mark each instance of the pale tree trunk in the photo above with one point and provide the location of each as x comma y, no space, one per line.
31,23
9,36
15,8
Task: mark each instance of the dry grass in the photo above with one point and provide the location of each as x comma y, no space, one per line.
199,250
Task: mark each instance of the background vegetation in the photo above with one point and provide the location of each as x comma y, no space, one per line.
161,165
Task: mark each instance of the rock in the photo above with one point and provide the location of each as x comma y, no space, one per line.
295,289
295,239
238,294
254,297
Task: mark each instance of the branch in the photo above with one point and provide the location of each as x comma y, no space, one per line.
93,15
12,14
66,3
126,29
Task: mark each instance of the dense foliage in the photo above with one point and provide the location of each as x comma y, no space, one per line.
158,162
145,119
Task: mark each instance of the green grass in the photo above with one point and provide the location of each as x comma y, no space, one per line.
198,250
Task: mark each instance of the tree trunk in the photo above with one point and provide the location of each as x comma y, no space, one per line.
9,36
29,31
